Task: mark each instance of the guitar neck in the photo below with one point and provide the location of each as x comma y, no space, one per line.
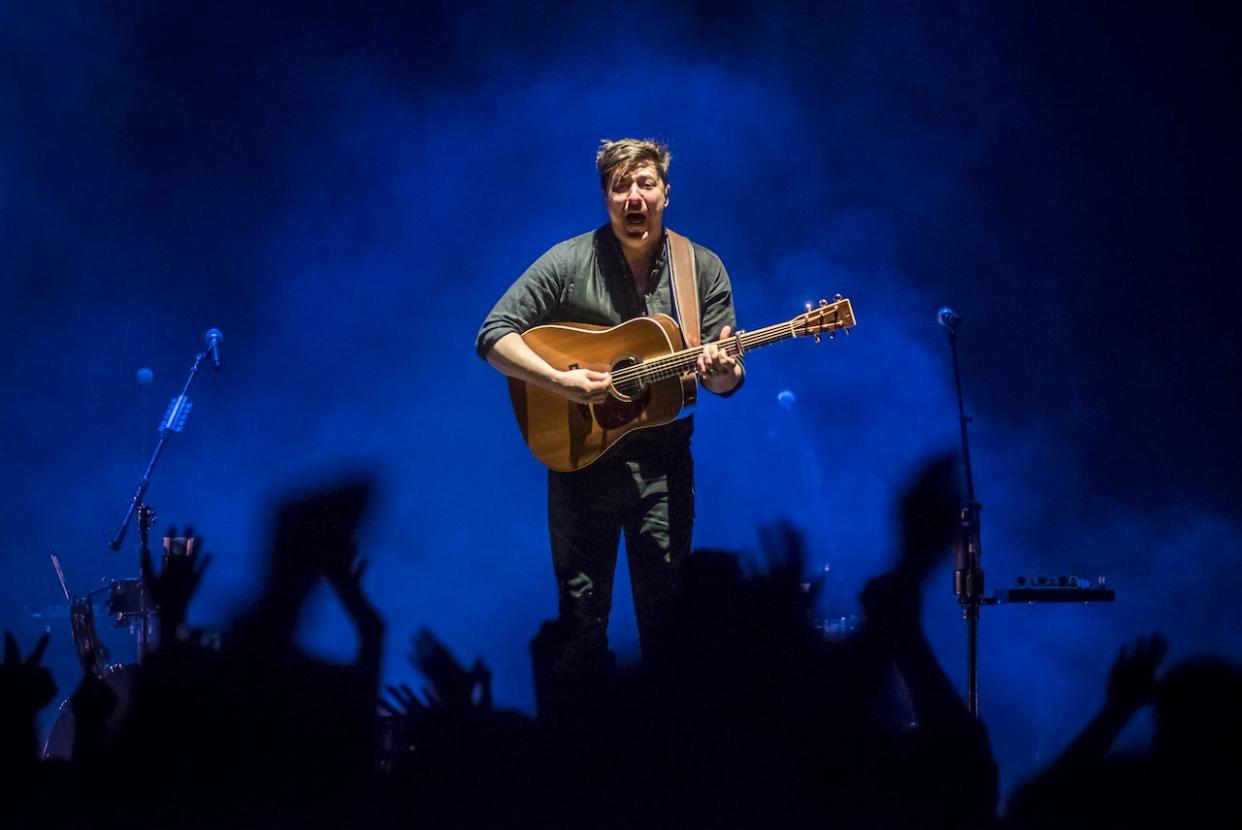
683,362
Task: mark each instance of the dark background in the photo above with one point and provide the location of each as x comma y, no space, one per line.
344,189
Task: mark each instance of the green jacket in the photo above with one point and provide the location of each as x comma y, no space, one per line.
586,280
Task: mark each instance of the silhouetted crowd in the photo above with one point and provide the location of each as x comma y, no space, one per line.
752,718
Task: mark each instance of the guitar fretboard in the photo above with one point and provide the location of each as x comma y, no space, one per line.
680,363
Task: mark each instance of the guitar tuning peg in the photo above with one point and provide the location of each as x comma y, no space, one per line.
823,303
837,297
808,305
817,340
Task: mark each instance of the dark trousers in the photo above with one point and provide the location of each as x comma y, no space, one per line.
647,492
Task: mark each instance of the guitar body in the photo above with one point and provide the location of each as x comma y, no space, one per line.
652,377
567,436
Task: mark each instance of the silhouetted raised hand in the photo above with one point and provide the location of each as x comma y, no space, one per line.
945,749
402,701
784,549
1131,685
174,587
930,517
1132,680
1063,787
346,580
444,732
1197,738
25,688
25,685
92,702
315,536
451,687
451,684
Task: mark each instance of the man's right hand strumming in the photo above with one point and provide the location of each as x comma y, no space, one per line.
512,357
583,385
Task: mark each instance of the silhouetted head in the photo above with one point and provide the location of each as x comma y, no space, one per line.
1197,712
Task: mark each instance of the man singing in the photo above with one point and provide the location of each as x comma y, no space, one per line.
644,486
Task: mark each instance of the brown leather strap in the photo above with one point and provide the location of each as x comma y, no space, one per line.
685,289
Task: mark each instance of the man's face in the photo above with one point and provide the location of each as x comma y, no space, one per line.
636,201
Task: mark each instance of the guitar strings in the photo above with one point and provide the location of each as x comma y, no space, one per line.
668,365
675,364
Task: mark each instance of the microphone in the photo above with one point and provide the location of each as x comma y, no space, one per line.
213,338
946,316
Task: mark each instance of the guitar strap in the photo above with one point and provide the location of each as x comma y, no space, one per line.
685,286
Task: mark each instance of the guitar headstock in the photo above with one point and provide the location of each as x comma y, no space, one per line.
828,318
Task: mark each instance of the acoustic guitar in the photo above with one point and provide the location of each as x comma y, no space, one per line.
652,378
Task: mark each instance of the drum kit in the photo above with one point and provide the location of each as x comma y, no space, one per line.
127,604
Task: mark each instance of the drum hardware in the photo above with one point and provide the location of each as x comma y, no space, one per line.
133,600
82,616
60,575
127,602
127,598
92,654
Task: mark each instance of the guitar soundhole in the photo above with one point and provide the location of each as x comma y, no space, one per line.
625,387
614,413
628,401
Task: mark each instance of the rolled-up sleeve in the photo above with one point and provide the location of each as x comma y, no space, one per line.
532,299
716,302
715,296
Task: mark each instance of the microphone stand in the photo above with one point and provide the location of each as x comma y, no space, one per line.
967,574
172,422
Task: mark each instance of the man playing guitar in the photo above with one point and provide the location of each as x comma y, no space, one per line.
644,486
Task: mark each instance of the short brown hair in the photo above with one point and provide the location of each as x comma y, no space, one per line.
616,158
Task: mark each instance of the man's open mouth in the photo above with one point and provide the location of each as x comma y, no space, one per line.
635,218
